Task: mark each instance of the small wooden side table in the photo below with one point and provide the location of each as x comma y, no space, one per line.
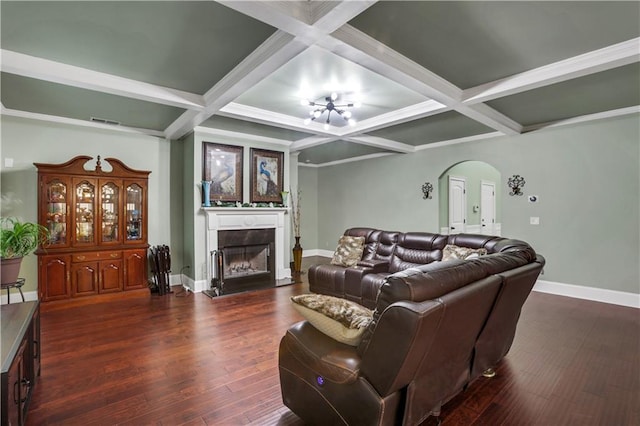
18,284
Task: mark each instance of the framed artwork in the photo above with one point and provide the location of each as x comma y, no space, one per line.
222,166
266,176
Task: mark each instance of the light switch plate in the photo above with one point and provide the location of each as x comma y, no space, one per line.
534,220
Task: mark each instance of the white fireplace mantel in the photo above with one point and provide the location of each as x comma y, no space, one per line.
230,218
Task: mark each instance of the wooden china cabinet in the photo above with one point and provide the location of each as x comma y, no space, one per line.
97,221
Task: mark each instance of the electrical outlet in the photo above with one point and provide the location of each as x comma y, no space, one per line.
534,220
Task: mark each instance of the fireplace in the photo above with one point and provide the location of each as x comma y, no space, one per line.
244,260
219,220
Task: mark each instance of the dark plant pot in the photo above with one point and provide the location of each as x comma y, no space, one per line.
297,256
10,269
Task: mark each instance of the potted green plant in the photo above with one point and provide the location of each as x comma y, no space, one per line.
18,239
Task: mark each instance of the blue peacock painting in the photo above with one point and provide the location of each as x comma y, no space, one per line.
267,178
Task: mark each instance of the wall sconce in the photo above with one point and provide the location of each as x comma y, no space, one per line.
516,182
427,189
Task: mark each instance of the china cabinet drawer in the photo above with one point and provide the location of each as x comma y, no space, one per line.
96,255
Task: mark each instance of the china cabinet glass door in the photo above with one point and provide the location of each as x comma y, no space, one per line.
84,218
56,212
134,212
110,203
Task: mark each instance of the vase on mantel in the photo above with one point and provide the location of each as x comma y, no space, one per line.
297,256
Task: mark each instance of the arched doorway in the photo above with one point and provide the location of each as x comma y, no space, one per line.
470,199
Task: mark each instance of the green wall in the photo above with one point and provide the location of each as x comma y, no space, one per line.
308,183
586,175
28,141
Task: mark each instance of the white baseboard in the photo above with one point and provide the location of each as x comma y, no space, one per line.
614,297
317,252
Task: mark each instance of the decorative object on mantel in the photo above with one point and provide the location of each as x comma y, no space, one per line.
427,188
284,195
295,218
330,105
222,166
516,182
266,176
206,190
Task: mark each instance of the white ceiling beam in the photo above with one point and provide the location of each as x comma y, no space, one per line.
277,50
358,47
614,56
69,75
263,116
383,143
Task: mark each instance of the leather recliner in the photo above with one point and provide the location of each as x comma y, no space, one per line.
436,327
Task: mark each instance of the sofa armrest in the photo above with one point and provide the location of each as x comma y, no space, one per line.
389,370
354,275
376,266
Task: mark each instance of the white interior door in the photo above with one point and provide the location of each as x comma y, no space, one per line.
457,204
487,207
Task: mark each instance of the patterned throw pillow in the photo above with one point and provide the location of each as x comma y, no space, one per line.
340,319
349,251
451,251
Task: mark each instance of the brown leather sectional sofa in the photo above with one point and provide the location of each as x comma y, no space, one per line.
436,327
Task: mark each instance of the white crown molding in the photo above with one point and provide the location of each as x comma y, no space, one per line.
237,137
352,159
488,116
80,123
399,116
466,139
585,118
310,142
599,60
69,75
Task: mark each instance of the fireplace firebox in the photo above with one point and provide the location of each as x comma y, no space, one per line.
244,260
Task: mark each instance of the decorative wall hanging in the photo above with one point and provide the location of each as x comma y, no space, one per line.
427,188
516,182
266,176
222,167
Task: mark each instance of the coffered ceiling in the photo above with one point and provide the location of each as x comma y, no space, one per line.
425,72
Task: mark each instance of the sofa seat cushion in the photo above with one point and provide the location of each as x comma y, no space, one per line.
327,358
340,319
349,251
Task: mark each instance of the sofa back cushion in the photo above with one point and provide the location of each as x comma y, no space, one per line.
371,238
386,245
416,249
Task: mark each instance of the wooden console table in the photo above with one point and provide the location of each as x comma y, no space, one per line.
20,359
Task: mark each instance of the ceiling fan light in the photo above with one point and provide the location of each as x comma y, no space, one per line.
317,113
352,122
305,102
326,126
307,121
334,96
357,104
347,114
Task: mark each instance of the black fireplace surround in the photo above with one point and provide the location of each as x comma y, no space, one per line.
244,260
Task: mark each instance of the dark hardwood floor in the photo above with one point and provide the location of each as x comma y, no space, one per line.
191,360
